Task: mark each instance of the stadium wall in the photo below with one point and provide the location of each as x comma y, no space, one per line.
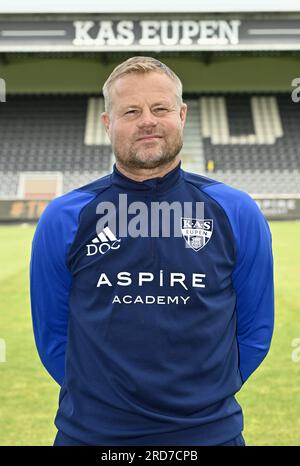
210,73
29,211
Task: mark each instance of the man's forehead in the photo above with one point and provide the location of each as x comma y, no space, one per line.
143,84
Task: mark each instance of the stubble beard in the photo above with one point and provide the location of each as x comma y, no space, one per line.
149,158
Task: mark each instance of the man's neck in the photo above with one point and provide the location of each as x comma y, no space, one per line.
143,174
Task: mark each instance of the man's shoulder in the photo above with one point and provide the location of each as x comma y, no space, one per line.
71,202
218,188
237,204
96,186
198,180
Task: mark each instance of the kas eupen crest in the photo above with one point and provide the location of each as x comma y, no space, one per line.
196,232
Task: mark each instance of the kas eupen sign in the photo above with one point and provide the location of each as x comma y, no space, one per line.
151,35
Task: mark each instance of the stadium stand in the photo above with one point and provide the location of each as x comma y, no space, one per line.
53,143
247,141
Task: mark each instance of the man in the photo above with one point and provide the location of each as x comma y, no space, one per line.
151,327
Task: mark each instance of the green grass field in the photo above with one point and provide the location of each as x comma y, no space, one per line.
29,397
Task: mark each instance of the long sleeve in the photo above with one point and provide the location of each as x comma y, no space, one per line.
253,282
252,276
50,279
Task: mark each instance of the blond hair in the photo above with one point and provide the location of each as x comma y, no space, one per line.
139,65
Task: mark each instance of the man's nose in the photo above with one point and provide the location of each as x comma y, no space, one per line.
146,119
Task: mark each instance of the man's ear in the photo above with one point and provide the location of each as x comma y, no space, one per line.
106,122
183,112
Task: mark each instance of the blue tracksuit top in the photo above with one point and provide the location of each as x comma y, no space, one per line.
151,336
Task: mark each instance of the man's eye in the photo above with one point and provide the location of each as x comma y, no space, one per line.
130,111
160,109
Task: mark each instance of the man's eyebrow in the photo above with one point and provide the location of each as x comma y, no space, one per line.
125,106
160,102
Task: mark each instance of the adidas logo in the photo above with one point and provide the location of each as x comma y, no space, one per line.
105,235
104,241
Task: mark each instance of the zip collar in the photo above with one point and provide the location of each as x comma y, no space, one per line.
161,184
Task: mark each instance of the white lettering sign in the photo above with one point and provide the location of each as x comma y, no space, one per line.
151,33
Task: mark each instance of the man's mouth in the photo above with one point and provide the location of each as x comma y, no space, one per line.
149,137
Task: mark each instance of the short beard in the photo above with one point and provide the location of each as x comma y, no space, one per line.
133,162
